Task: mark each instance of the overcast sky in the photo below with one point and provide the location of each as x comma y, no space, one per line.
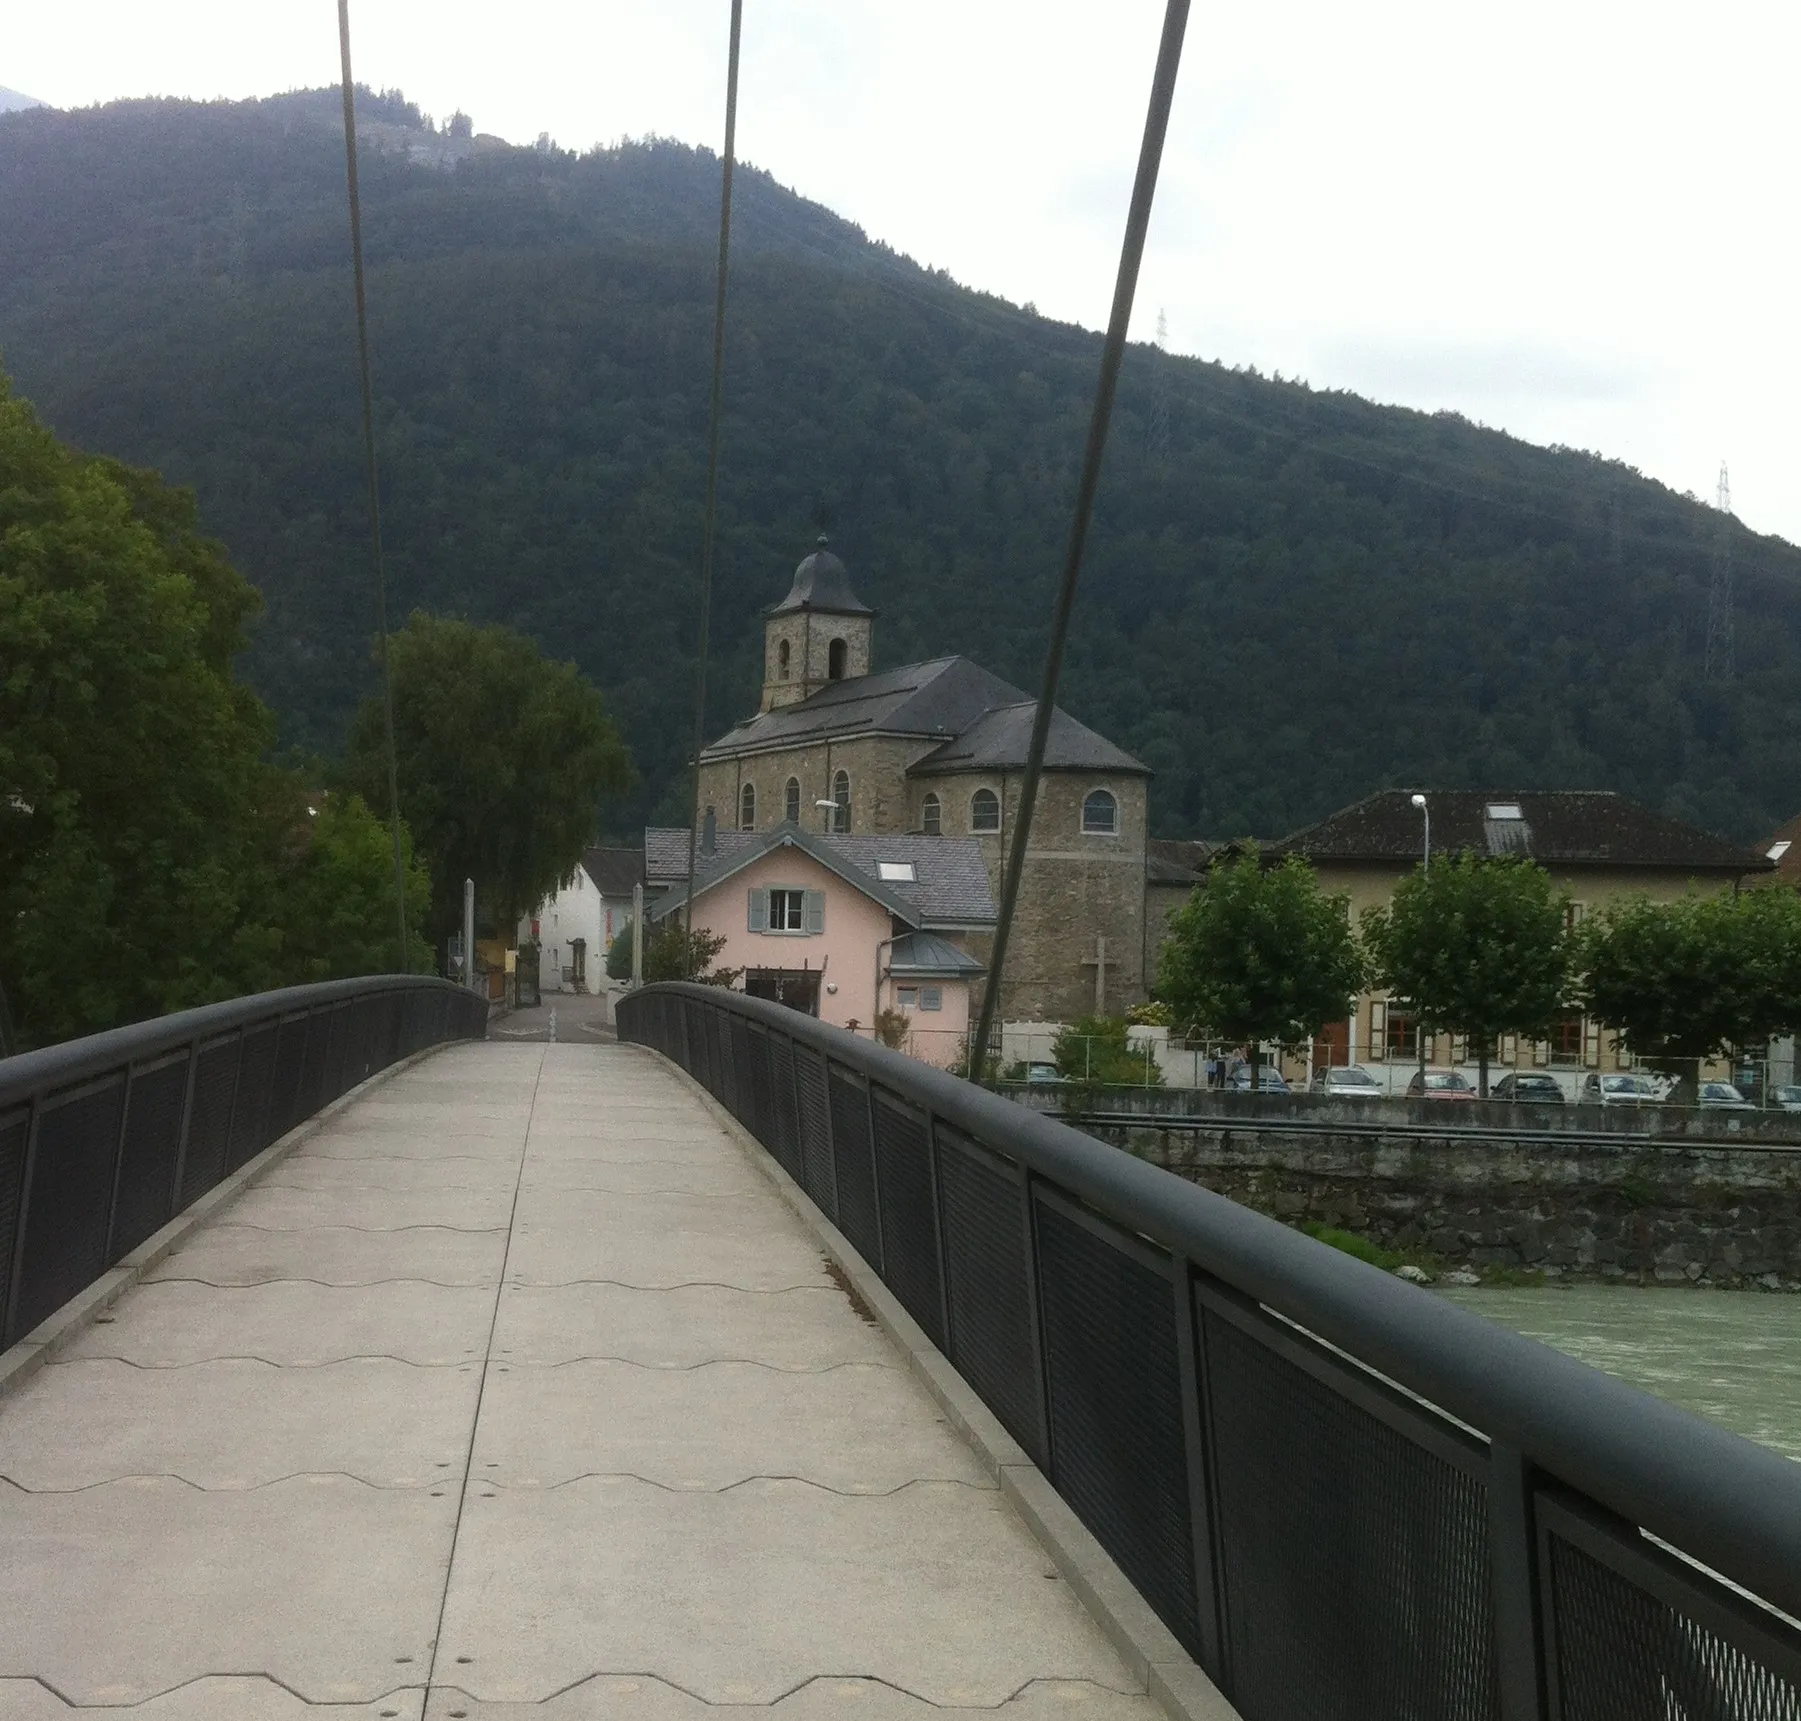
1571,219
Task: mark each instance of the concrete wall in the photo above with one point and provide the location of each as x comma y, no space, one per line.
1628,1210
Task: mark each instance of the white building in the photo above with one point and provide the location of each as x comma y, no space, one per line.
575,927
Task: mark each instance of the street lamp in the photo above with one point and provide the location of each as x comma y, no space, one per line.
1419,1034
831,807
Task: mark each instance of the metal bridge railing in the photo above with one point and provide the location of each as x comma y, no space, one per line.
104,1140
1346,1497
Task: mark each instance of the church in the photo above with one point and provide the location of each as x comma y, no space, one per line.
938,749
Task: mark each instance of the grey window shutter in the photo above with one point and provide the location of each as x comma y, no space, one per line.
759,911
814,907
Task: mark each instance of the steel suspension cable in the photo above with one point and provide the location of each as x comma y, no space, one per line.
381,584
1138,220
707,530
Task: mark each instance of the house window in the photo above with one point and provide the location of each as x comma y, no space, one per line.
1403,1034
782,653
1100,815
931,816
985,811
834,660
907,997
787,910
931,997
840,815
784,910
1566,1041
791,801
747,807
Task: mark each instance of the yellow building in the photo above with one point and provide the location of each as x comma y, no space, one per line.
1597,846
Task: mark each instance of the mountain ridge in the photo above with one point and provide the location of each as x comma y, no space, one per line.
1303,597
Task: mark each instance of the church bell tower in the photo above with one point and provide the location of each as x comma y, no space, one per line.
818,634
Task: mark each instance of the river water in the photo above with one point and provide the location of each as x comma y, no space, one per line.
1732,1356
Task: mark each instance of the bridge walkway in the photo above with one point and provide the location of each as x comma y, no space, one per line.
514,1391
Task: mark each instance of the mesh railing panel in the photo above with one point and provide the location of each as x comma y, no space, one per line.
69,1201
909,1226
1354,1561
146,1190
290,1073
250,1111
337,1051
784,1132
816,1175
761,1119
1622,1653
318,1045
15,1131
743,1094
853,1164
1118,1455
987,1277
209,1122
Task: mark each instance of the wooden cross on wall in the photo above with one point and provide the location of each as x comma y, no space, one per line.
1098,962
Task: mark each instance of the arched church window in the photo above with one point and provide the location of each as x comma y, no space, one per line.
834,660
1100,814
791,801
985,811
782,653
841,796
931,816
747,807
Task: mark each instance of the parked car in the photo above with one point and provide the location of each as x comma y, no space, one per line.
1528,1087
1351,1082
1042,1075
1722,1096
1618,1090
1786,1098
1439,1085
1269,1080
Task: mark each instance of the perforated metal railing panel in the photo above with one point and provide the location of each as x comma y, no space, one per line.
853,1165
1118,1455
146,1196
250,1109
64,1242
209,1123
1354,1558
1636,1633
784,1137
816,1174
987,1274
909,1227
285,1088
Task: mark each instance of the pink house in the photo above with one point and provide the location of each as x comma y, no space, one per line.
845,927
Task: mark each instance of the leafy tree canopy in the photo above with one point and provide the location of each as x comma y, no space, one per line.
1260,953
1475,946
176,290
1696,978
151,857
503,757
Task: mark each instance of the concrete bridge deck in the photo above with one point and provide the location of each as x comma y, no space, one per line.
514,1391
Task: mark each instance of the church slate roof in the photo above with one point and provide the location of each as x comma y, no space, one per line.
950,887
821,583
1558,827
998,741
941,697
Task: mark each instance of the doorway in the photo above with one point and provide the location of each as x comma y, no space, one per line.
798,988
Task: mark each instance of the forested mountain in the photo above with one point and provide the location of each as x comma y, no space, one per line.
1291,599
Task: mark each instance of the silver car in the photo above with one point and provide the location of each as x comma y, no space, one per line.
1352,1082
1618,1090
1722,1096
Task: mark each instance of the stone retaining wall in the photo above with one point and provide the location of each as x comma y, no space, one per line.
1667,1213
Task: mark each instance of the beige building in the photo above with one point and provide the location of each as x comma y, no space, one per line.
938,749
1597,846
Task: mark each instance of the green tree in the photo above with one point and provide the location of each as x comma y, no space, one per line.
503,757
1697,978
1260,953
134,798
1477,947
619,954
336,902
672,953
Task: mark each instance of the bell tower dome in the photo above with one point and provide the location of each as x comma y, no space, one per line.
818,634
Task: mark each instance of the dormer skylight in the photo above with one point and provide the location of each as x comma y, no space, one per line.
1504,810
